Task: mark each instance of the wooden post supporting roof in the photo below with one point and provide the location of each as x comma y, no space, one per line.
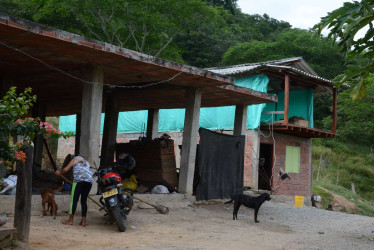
22,210
110,129
38,110
286,98
189,144
334,110
152,124
91,116
240,124
77,134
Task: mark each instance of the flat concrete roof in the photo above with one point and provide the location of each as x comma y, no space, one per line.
52,62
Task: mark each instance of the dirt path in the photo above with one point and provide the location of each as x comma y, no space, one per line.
211,227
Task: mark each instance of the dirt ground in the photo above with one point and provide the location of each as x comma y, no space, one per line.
210,226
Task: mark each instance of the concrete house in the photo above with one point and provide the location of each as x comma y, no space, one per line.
282,141
277,133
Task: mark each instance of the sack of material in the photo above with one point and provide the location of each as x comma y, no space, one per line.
10,184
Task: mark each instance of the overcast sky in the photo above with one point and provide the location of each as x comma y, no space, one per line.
299,13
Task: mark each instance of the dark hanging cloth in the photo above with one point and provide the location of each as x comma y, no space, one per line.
220,164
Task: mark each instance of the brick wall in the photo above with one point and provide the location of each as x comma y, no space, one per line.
298,185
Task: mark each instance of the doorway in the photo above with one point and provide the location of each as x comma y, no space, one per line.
265,166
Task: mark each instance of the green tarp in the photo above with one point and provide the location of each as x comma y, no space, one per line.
210,118
300,104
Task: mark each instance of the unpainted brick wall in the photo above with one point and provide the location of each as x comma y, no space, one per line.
298,185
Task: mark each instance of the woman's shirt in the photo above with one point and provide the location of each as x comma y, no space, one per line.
81,172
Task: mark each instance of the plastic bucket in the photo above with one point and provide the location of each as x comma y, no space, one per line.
3,218
299,201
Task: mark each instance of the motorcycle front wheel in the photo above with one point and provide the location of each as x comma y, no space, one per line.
119,218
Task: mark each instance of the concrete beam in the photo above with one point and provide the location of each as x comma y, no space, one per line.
110,128
38,110
91,114
240,124
190,133
152,124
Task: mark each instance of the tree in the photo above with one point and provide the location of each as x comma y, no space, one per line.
204,45
227,4
344,25
13,124
356,117
322,56
147,26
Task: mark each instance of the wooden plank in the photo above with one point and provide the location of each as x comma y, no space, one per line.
22,210
110,128
274,112
77,134
286,98
6,238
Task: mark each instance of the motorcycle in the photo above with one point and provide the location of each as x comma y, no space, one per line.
115,200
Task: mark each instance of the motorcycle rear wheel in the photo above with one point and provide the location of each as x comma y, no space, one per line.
118,218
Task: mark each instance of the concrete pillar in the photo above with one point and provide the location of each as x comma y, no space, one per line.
77,134
38,110
110,129
191,124
255,137
240,124
152,124
91,116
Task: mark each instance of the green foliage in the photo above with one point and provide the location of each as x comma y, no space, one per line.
356,117
13,107
322,56
195,32
227,4
365,207
356,165
344,24
147,26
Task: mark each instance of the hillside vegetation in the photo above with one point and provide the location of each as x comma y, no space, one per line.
337,166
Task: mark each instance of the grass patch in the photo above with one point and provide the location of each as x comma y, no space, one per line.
365,207
326,198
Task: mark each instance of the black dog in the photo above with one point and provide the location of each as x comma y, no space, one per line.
248,201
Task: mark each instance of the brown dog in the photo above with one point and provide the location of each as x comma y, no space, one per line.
48,197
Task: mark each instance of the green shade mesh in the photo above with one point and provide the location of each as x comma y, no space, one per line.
301,104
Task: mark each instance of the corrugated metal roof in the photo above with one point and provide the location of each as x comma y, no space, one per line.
294,64
226,70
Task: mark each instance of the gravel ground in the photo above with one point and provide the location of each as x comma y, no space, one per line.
210,226
321,228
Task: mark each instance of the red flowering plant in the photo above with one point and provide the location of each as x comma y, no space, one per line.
13,108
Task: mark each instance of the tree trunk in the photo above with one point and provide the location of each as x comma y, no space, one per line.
22,209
